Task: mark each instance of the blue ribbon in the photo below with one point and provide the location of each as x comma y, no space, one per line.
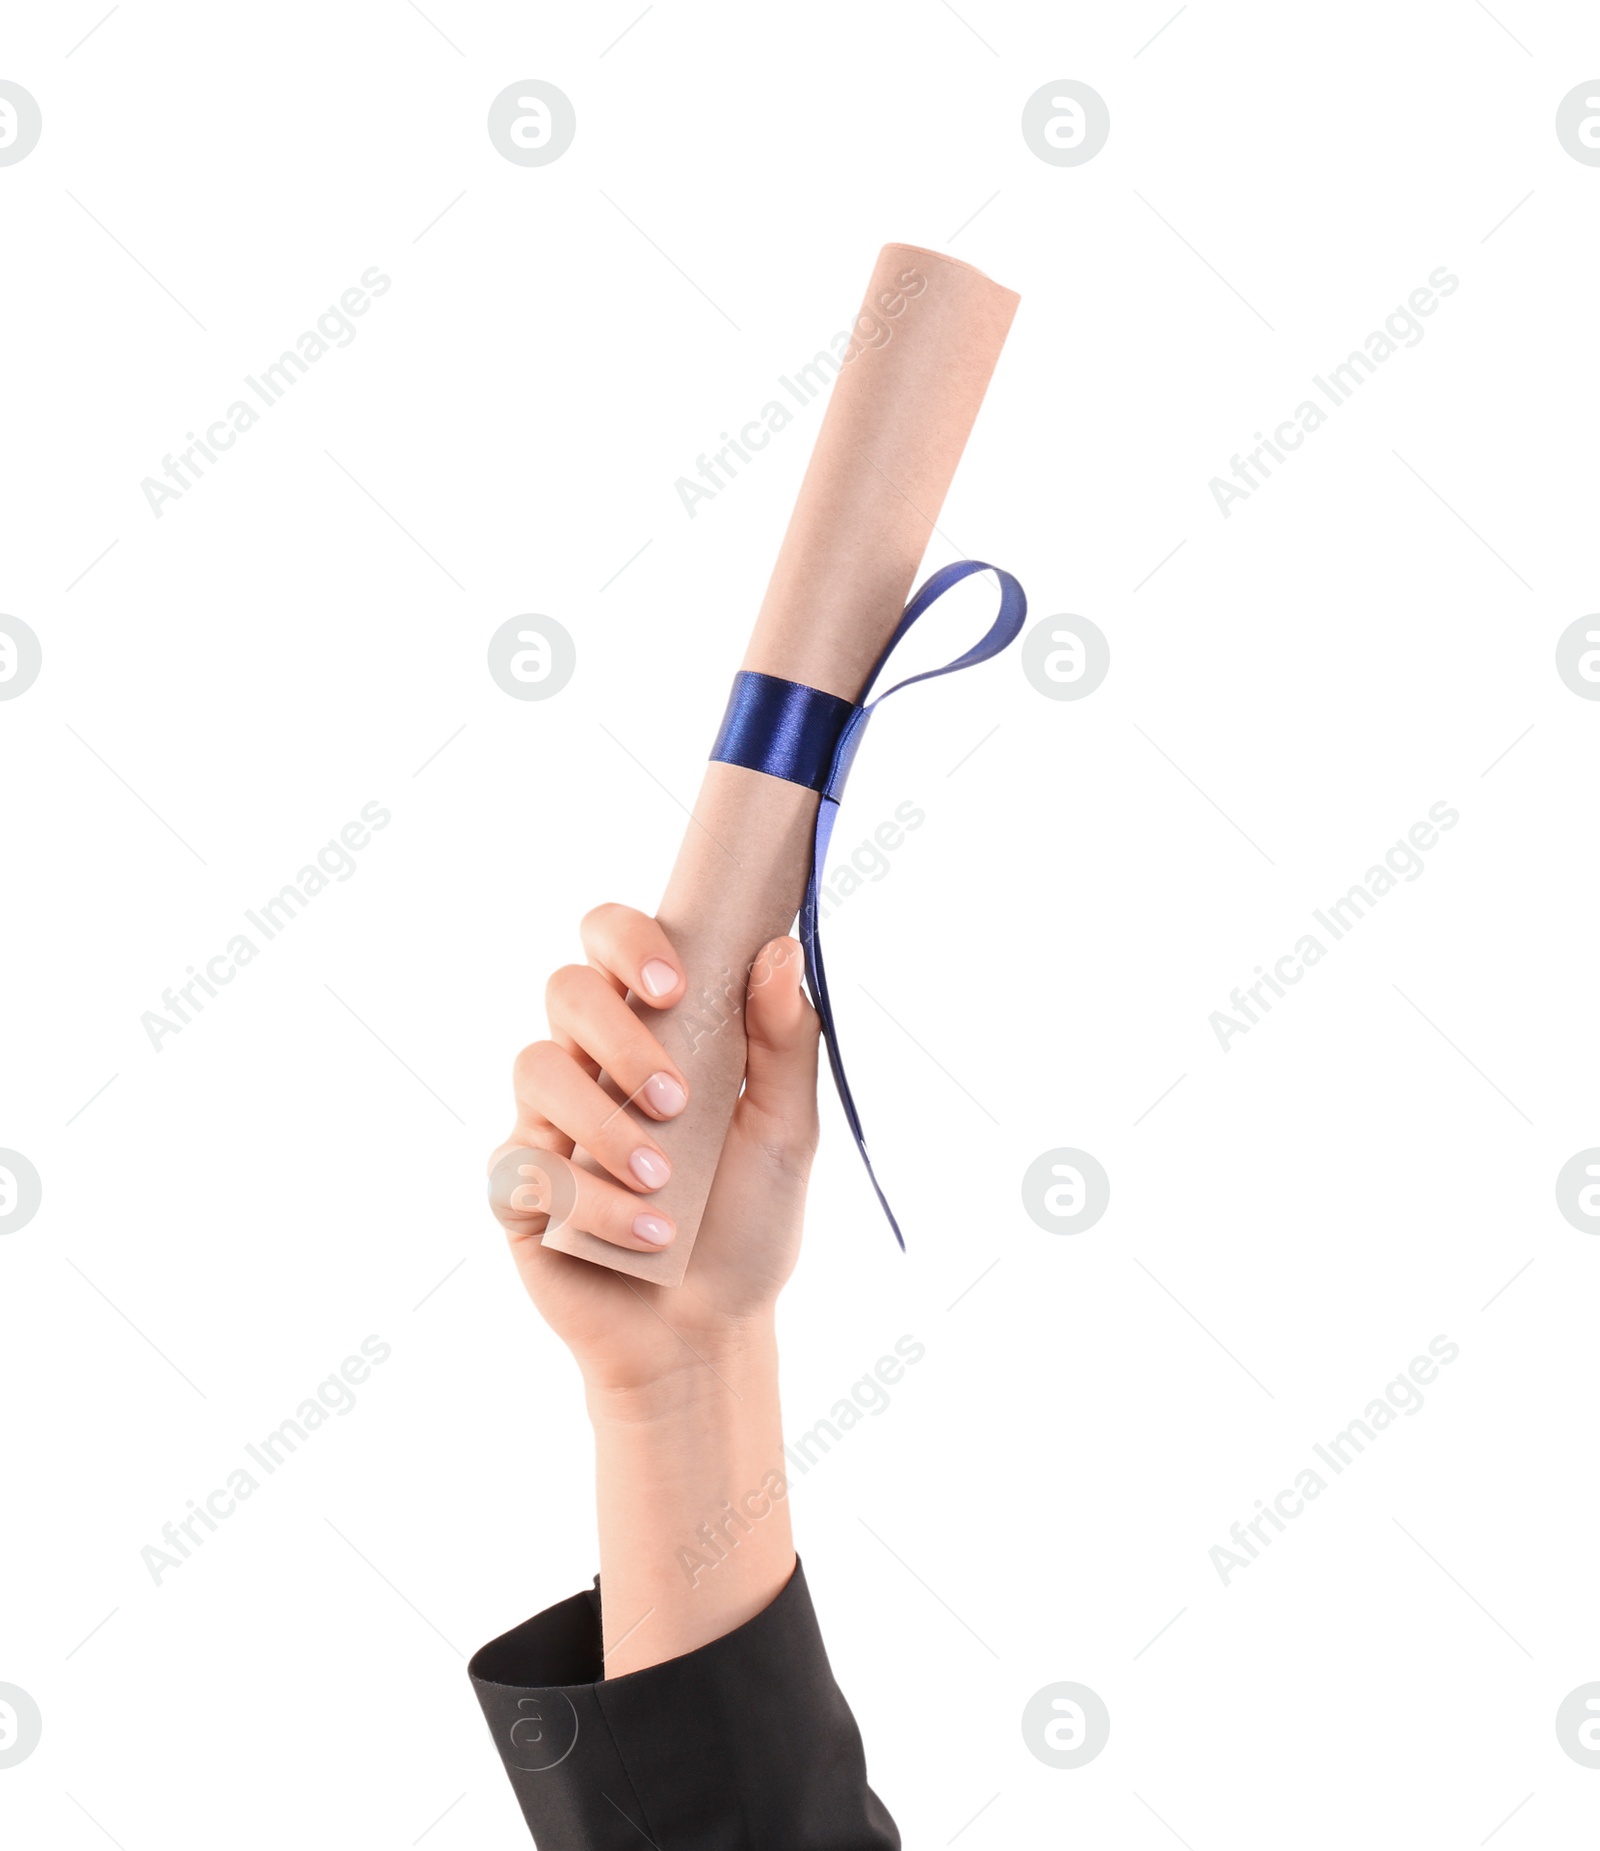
808,737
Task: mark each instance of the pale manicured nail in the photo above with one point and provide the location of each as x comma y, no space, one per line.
654,1228
658,977
650,1168
663,1094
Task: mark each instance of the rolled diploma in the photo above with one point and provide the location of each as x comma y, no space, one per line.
898,418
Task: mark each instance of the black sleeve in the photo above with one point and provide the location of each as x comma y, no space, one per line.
743,1745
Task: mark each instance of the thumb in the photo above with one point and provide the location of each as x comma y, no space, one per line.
782,1028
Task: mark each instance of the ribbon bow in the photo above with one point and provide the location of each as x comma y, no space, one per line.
808,737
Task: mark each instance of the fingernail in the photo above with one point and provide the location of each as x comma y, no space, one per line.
651,1168
654,1228
658,977
663,1094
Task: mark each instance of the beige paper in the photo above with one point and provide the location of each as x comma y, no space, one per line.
902,408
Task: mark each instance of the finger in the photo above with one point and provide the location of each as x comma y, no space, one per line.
530,1187
631,948
555,1094
781,1067
587,1013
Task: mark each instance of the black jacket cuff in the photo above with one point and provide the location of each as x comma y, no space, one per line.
745,1744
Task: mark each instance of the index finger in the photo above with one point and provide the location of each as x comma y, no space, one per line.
632,950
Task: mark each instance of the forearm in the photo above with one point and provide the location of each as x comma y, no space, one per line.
692,1499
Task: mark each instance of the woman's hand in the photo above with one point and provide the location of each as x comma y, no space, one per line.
682,1384
626,1333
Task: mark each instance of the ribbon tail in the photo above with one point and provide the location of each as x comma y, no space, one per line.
798,709
817,978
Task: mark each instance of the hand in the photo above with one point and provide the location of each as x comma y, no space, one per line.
626,1333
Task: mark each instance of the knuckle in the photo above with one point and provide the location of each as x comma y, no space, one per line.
617,1138
566,984
789,1158
599,917
601,1211
790,1146
535,1064
638,1055
525,1184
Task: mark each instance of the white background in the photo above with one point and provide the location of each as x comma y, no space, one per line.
302,1166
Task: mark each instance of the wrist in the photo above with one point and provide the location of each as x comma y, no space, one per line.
731,1366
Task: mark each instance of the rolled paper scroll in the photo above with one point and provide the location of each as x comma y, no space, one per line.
902,408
